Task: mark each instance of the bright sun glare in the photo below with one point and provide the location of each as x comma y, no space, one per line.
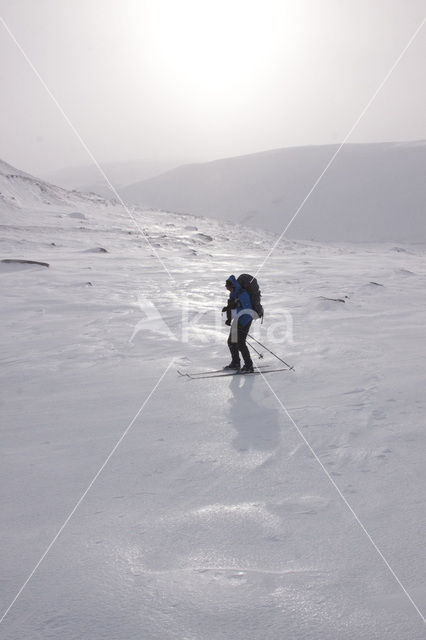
213,45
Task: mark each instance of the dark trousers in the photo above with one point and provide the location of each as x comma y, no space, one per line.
240,345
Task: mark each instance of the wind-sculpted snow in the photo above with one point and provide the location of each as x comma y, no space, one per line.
212,519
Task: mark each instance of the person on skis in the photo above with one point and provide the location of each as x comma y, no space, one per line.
239,316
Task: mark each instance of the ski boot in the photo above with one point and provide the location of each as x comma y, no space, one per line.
233,366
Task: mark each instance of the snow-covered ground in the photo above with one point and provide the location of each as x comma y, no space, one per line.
212,518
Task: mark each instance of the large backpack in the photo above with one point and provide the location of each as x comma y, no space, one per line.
250,284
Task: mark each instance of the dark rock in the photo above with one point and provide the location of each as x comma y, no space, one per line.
333,299
205,237
12,260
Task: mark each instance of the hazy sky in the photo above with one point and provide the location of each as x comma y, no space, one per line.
190,80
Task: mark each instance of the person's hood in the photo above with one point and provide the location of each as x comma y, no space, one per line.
233,280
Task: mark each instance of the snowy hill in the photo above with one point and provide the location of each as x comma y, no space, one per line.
371,193
19,191
87,178
142,504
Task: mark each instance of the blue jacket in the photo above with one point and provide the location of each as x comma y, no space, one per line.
242,298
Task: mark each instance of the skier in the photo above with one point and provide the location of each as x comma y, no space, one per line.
238,303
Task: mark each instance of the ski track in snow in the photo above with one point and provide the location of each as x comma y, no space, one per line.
212,519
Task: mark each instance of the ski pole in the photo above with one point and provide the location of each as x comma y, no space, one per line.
255,350
274,354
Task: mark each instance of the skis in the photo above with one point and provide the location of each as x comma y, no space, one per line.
195,374
211,371
192,374
220,373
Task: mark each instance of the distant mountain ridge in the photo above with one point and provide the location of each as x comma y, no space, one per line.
371,192
87,178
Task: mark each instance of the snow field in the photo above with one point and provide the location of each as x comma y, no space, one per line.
212,519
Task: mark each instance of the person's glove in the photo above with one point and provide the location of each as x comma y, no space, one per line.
224,309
